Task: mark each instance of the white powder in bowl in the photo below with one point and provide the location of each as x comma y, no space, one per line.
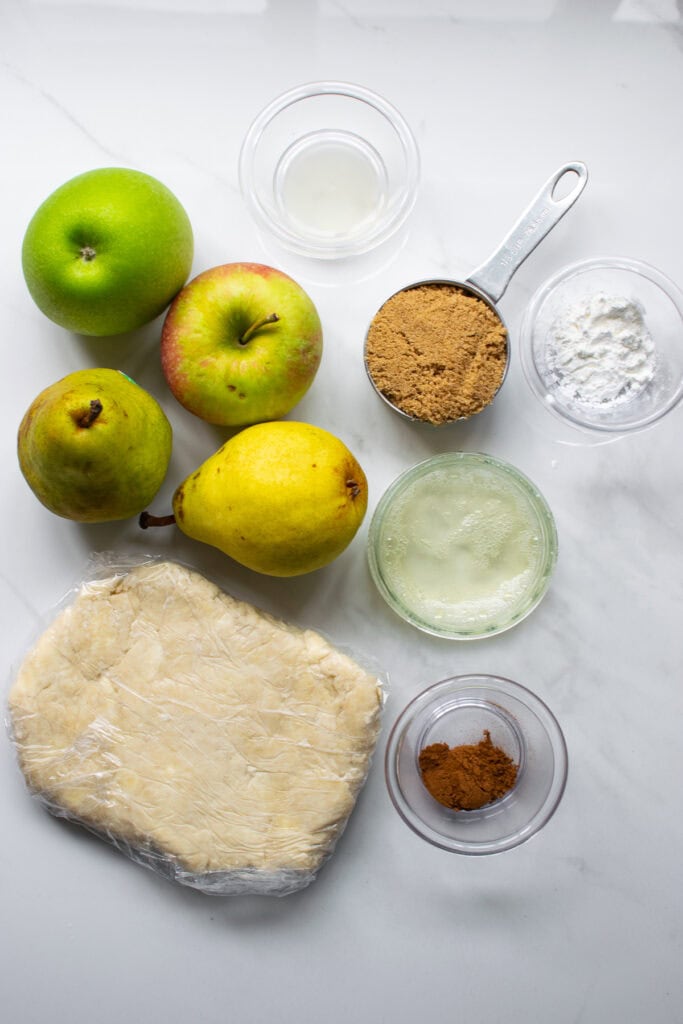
601,351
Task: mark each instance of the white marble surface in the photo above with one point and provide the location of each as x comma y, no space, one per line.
581,924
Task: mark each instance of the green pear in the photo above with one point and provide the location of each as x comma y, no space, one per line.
94,446
282,498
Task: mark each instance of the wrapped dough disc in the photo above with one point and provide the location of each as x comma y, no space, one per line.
204,738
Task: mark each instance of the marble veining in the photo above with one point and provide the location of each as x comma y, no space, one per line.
582,923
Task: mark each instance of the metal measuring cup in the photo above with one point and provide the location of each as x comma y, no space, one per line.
489,281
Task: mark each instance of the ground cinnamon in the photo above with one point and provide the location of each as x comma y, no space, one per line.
437,352
467,777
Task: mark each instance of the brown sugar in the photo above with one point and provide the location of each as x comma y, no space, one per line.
469,776
437,352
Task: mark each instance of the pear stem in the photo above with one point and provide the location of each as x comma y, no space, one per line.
272,318
147,519
89,417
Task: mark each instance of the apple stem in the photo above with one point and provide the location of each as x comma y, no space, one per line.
147,519
89,417
272,318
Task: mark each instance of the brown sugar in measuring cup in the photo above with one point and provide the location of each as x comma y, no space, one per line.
438,350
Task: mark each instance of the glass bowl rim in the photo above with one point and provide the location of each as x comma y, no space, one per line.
293,240
534,380
540,505
505,686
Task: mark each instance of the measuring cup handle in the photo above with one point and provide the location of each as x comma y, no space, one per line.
493,277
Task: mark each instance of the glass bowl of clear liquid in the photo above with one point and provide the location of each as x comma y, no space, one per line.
330,169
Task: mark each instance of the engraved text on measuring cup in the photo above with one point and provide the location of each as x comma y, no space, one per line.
513,249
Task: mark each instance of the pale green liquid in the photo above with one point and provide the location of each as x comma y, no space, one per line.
331,190
462,548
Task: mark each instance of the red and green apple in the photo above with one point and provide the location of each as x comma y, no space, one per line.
241,344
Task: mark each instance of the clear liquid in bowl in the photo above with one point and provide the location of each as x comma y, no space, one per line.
330,185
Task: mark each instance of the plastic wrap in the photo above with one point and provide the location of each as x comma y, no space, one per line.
203,738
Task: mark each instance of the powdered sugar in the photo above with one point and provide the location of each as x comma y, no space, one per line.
601,351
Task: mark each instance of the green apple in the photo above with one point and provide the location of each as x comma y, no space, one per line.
241,344
94,446
107,251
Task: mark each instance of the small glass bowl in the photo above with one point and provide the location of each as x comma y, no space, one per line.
426,539
457,711
330,169
662,305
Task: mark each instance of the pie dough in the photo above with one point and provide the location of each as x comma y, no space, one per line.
200,735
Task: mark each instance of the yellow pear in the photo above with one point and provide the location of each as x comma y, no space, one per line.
282,498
